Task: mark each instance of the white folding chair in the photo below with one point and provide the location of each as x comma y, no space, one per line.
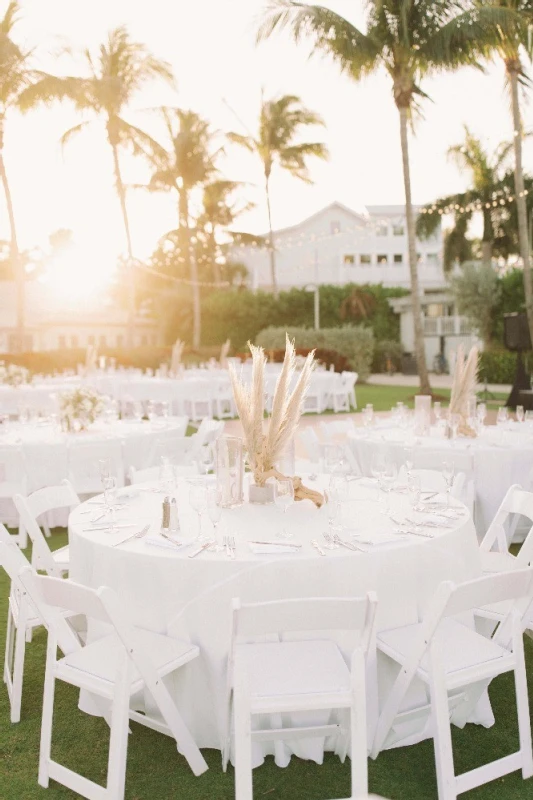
287,675
312,444
30,509
178,449
13,479
223,404
83,468
341,392
351,378
456,664
152,473
495,553
115,667
336,431
21,620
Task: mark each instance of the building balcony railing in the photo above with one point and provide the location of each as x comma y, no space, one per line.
447,326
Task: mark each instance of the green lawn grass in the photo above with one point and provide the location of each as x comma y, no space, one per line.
157,772
384,397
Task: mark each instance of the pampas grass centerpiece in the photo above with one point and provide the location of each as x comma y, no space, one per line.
266,443
465,377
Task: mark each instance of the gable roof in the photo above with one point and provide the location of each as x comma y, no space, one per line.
335,205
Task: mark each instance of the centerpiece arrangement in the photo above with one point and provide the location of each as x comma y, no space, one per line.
79,408
266,441
13,374
464,385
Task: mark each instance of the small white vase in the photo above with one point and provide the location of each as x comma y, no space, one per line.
261,494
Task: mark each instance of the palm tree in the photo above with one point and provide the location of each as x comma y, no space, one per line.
116,73
485,170
16,74
188,162
220,210
280,122
409,40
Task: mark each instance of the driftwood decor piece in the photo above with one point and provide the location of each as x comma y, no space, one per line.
266,441
464,387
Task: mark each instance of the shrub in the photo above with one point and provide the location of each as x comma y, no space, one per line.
354,342
497,366
387,355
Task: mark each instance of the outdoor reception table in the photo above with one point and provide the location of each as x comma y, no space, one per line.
496,460
167,591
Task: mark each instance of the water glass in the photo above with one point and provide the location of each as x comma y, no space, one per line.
104,468
283,498
455,421
502,417
198,502
481,413
206,458
437,410
377,468
150,411
137,411
214,508
520,413
387,481
528,419
165,409
167,476
333,458
414,490
110,499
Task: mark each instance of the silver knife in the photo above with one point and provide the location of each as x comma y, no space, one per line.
317,546
107,527
203,547
281,542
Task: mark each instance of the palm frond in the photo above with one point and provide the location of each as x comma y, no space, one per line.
10,18
47,89
72,132
242,141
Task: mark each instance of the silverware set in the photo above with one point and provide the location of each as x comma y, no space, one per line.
137,535
334,541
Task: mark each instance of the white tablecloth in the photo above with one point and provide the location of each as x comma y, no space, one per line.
497,459
166,591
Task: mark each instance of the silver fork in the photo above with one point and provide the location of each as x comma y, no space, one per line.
229,543
349,545
137,535
330,544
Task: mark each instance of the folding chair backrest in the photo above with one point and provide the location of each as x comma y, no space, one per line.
177,449
306,614
489,589
516,501
311,443
208,431
12,559
41,555
52,497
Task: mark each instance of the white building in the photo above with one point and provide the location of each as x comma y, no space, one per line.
54,324
337,245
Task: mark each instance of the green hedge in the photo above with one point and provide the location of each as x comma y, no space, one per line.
387,356
497,366
354,342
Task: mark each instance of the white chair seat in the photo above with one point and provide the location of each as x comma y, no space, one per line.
459,647
292,668
62,556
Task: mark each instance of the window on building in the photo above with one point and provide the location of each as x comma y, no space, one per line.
398,230
74,341
335,227
349,258
120,340
62,342
382,229
432,258
383,258
91,340
366,258
434,310
398,258
418,257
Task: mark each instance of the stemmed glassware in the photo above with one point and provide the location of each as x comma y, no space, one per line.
167,476
387,481
198,502
502,417
333,508
283,498
448,473
437,410
137,411
455,421
414,490
520,413
333,458
110,498
206,458
377,468
528,420
368,415
214,511
150,411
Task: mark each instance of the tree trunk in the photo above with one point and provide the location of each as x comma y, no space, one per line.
486,254
217,277
271,249
420,353
16,261
131,287
193,268
513,69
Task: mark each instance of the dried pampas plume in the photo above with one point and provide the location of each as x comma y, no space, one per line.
465,378
266,448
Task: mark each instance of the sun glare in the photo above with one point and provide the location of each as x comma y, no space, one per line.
78,274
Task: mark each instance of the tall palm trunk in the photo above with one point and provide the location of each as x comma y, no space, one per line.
513,71
131,287
487,240
420,353
217,277
271,249
14,252
193,267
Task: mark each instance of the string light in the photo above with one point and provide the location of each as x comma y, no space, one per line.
476,205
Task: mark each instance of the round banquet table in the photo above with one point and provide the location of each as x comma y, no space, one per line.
166,591
494,461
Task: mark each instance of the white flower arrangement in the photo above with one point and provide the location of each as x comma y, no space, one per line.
80,407
13,374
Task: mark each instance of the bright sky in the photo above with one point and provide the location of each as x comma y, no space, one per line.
210,44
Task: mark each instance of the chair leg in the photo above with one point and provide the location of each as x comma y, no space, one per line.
18,670
10,644
442,739
22,537
46,727
358,743
243,746
522,707
118,741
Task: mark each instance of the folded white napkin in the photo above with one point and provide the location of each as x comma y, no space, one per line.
374,538
271,549
160,541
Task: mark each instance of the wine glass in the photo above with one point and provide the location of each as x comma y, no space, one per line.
448,473
520,413
332,508
283,498
387,481
368,415
333,458
214,511
137,411
377,468
409,460
206,458
165,409
150,411
455,421
481,413
110,498
167,475
104,468
198,502
437,410
502,417
414,490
